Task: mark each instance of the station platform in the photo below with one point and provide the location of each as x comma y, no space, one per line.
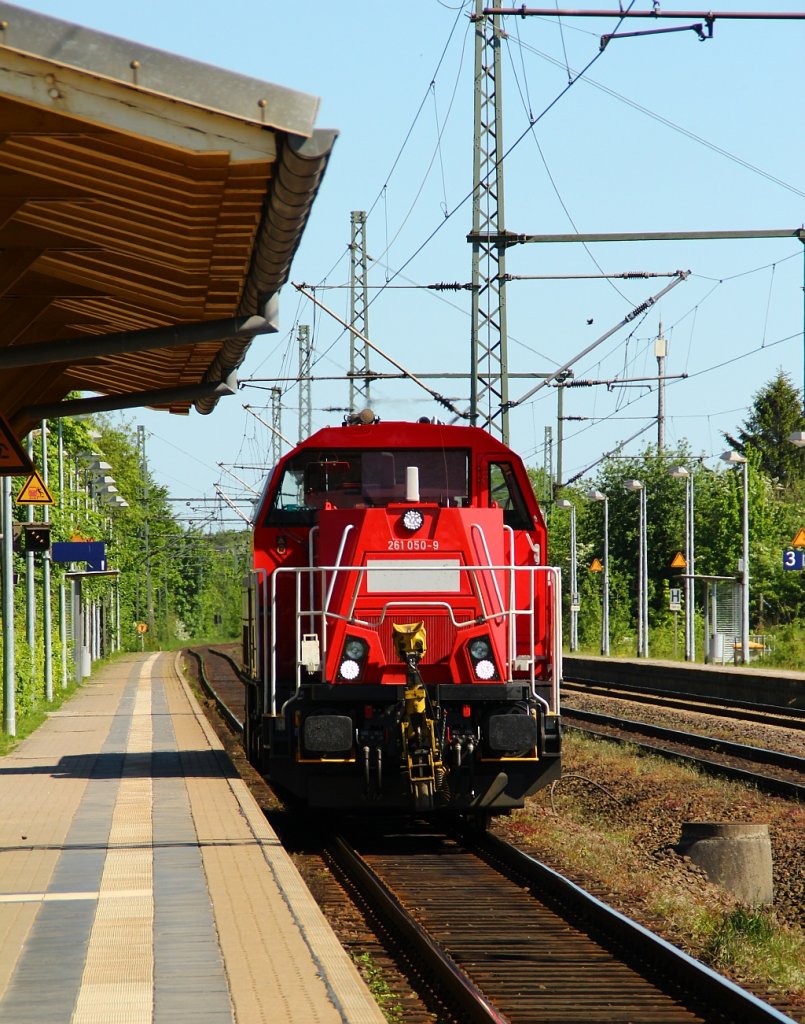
139,881
750,683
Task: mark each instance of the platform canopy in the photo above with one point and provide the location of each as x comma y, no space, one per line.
150,207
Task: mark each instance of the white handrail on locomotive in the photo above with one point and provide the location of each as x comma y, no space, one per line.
311,550
555,623
508,531
258,579
476,528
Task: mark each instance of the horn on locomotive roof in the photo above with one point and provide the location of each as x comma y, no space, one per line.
362,418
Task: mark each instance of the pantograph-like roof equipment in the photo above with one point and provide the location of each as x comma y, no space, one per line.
150,207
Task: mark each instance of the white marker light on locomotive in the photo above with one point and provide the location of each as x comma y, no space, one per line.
412,520
350,669
484,669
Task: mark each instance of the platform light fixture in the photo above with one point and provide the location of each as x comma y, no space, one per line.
683,473
642,569
563,503
734,459
595,495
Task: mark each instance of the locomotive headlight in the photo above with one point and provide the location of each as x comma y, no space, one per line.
483,663
479,649
412,520
355,649
353,656
484,669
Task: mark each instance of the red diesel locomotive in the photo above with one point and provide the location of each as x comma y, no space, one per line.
402,631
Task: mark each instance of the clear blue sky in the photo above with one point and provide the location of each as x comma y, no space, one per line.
664,133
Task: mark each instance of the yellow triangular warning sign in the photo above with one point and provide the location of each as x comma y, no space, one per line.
13,460
678,561
34,492
595,566
799,540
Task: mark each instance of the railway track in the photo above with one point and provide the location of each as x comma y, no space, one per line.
481,931
783,774
771,770
507,939
764,714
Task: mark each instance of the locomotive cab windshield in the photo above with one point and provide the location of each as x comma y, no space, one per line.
350,478
402,630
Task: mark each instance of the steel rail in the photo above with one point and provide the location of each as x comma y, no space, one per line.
224,710
735,1002
723,707
713,744
768,783
474,1005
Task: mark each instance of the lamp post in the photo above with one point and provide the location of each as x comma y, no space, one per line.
574,589
642,570
734,459
682,473
599,496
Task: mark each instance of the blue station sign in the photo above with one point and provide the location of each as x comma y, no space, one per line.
91,552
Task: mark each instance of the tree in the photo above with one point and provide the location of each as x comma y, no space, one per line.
775,414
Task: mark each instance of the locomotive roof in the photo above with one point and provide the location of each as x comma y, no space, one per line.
404,434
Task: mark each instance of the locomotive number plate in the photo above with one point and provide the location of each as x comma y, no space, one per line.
413,544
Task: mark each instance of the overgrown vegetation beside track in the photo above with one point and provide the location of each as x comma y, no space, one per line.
612,823
174,582
776,507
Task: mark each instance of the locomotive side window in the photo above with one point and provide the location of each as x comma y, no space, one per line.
505,492
288,506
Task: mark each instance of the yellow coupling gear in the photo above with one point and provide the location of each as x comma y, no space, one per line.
410,640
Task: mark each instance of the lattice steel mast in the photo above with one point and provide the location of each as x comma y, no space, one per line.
276,425
489,361
305,383
359,397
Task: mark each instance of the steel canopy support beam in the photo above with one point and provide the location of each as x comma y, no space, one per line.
132,400
81,350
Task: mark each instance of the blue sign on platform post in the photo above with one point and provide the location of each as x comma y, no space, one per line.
794,559
93,552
